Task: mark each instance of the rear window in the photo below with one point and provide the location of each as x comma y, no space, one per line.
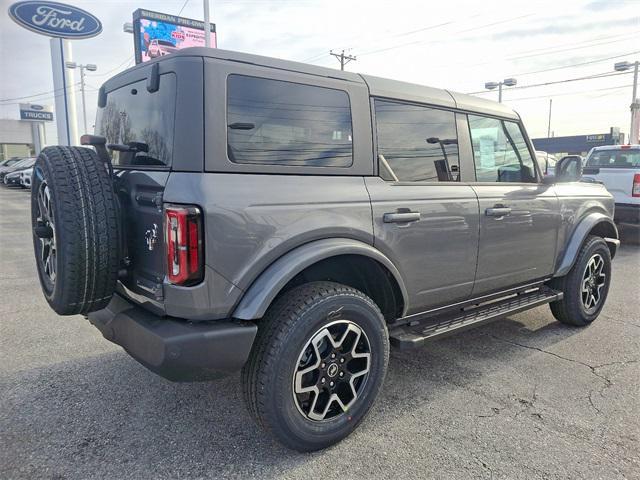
615,158
133,116
272,122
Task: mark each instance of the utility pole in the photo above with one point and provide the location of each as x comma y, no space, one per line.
344,59
549,124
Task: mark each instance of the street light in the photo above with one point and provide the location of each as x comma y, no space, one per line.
635,103
92,68
508,82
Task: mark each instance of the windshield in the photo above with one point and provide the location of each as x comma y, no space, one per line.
165,43
23,163
11,161
133,114
614,158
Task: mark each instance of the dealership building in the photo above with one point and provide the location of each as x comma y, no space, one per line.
578,144
16,139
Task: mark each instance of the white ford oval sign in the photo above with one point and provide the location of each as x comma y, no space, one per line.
55,19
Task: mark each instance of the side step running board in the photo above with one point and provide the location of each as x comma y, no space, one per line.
418,332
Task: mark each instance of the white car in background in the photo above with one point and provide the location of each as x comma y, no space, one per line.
160,48
547,162
25,177
618,168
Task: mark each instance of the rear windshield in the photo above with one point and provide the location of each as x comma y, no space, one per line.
616,158
144,121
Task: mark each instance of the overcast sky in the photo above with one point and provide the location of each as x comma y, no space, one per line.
458,45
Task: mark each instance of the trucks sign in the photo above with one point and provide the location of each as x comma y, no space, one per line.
55,19
158,34
35,113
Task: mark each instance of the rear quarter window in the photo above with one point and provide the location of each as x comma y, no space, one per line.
273,122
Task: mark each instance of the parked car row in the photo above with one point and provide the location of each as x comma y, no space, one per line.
17,172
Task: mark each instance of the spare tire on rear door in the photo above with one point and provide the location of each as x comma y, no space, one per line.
76,229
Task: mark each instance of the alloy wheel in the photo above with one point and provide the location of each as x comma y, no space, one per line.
593,281
332,370
46,233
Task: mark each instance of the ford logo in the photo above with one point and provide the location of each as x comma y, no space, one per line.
55,19
36,107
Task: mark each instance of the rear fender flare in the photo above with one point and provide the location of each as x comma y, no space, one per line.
578,237
264,289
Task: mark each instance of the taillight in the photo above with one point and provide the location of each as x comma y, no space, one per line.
185,256
635,191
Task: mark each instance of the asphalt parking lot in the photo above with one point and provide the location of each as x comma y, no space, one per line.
524,397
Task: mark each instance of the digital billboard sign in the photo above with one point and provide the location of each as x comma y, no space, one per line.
158,34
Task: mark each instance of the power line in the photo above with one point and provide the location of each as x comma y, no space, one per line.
590,62
570,93
183,5
567,80
417,42
127,61
38,94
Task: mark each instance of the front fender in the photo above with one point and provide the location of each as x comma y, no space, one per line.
604,225
264,289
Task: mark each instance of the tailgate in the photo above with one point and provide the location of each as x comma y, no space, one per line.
618,181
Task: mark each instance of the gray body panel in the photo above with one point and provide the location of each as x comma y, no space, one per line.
436,255
521,246
252,220
264,223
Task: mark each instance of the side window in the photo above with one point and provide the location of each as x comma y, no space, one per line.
500,151
271,122
415,143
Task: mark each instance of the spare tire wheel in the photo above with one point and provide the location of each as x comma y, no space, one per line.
76,229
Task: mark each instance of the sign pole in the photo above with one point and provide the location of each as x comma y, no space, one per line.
207,25
64,91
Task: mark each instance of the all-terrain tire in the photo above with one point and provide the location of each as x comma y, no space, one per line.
73,204
571,310
288,326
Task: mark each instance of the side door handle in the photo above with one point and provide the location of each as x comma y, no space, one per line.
401,217
497,211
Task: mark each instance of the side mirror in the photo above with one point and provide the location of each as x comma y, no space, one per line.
569,169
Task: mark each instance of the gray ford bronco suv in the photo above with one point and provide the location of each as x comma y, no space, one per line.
235,212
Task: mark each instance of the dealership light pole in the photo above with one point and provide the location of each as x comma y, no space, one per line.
92,68
635,102
509,82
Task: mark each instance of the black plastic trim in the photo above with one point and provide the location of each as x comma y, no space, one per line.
176,349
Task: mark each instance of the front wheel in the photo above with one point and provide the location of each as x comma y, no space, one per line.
317,366
586,285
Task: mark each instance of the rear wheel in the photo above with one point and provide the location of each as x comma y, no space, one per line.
317,366
586,285
75,224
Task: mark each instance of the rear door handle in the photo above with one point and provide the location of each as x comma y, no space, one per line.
497,211
401,217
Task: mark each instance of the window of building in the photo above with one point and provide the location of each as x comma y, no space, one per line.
500,151
271,122
416,143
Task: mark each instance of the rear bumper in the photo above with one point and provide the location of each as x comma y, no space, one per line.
173,348
627,213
